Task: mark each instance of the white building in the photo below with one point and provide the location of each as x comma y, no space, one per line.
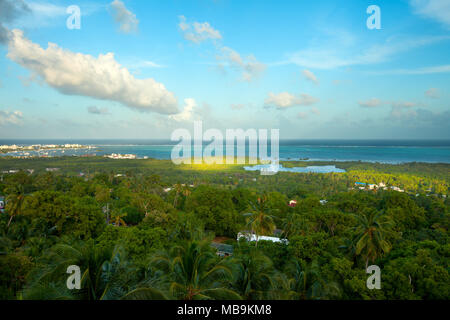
121,156
253,237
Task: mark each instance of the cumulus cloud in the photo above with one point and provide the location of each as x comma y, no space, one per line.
10,10
310,76
432,93
198,32
250,68
371,103
98,111
187,113
125,18
79,74
285,100
10,117
438,10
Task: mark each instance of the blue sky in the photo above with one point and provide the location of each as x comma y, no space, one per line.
140,69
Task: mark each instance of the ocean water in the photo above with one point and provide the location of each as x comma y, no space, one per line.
383,151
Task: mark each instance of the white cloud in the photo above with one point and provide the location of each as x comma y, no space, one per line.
198,32
47,10
400,113
10,117
315,110
375,102
371,103
187,113
424,70
250,68
148,64
285,100
432,93
434,9
404,110
405,104
334,55
79,74
99,111
310,76
125,18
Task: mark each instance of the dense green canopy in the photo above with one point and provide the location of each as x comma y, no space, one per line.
154,231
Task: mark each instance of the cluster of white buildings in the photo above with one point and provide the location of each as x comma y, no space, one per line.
10,171
120,156
6,147
45,146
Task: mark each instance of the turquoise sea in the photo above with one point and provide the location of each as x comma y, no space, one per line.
383,151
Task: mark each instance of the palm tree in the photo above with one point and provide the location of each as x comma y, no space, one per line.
259,220
186,191
195,273
117,218
178,190
104,273
103,196
370,235
14,201
293,224
305,282
252,275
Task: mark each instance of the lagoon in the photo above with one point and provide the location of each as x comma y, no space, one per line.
312,169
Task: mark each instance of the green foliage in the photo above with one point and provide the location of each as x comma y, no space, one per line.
214,206
133,240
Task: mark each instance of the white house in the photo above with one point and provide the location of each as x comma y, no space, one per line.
253,237
2,204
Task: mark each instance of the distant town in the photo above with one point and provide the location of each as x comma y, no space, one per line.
39,150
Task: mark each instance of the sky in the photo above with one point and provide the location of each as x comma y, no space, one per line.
136,69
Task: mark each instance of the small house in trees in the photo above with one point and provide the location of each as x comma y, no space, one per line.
292,203
223,250
2,204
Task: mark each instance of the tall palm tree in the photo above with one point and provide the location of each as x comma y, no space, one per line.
178,188
371,231
259,219
195,272
14,201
